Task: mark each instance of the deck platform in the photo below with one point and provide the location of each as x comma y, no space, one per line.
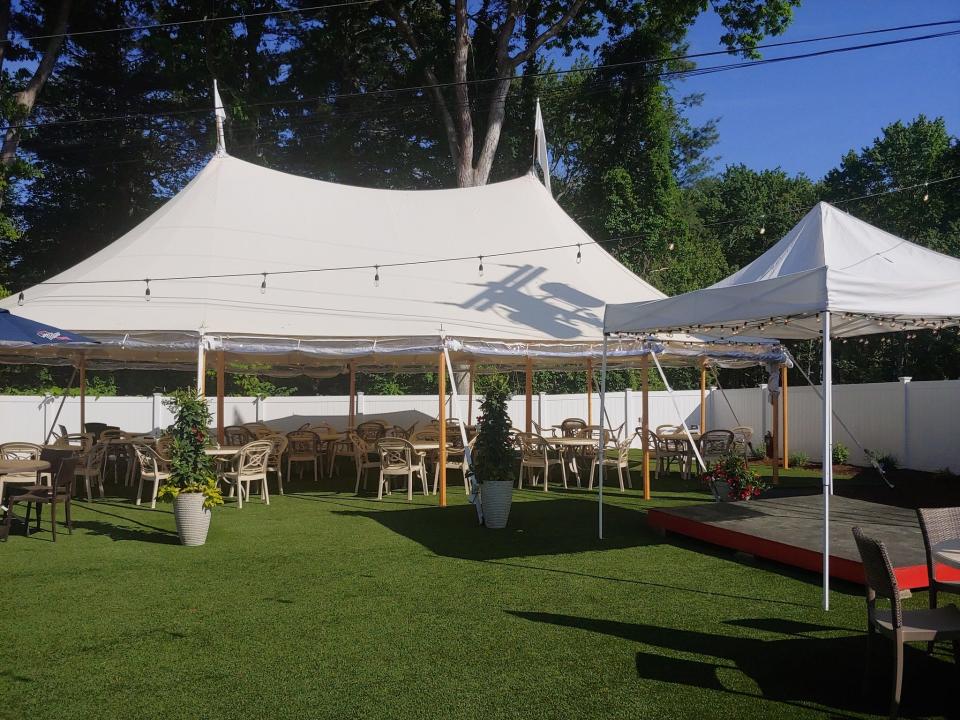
789,530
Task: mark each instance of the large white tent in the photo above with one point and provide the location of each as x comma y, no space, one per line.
315,247
831,276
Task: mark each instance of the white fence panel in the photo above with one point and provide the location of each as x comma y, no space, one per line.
913,421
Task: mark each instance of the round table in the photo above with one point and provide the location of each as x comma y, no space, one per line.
227,451
15,467
948,553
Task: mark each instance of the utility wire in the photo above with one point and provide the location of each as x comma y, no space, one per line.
479,81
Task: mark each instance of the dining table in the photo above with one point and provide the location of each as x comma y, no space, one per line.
568,446
948,553
15,466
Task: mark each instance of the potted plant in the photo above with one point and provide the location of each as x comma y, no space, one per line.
731,479
494,459
192,483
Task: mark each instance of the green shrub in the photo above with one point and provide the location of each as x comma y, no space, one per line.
494,447
799,459
758,453
841,454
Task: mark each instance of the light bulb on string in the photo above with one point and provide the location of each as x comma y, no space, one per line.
763,225
926,193
579,254
146,293
670,247
480,269
20,299
263,285
376,276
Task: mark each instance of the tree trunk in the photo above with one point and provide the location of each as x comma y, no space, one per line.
25,100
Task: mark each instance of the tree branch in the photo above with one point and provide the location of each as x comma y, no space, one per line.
548,34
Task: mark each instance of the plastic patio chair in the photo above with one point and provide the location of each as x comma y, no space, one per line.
250,466
535,455
397,458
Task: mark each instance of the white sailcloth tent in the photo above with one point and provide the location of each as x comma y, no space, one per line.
831,276
303,276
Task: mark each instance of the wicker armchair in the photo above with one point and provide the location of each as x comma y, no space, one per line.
937,525
571,427
899,625
715,444
742,440
237,435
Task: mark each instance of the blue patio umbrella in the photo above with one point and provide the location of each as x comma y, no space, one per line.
16,330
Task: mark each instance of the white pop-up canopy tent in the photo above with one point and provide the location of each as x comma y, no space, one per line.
831,276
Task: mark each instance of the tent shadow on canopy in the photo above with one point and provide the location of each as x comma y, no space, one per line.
402,418
800,668
553,308
559,526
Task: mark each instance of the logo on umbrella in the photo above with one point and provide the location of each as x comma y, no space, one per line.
52,335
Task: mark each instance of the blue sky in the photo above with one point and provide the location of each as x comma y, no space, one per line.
804,115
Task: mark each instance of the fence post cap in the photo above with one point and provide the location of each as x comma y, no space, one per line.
904,379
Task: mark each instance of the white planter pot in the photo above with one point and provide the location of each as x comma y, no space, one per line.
721,492
193,519
495,498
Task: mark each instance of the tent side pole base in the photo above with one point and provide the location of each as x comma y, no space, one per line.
645,422
601,444
785,425
442,454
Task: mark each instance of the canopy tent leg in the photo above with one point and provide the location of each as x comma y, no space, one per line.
468,473
528,395
703,397
775,433
676,407
645,423
221,372
590,392
352,409
601,445
442,455
470,395
785,425
201,369
83,393
827,452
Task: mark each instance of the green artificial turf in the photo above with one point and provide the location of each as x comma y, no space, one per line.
328,605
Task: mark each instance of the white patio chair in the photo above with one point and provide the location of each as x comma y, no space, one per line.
397,458
621,461
250,466
152,468
365,457
535,455
92,468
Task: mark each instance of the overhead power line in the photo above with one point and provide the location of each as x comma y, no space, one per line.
694,72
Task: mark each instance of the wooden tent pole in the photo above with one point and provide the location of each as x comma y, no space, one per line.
645,423
784,388
703,397
83,393
775,431
470,396
528,390
589,391
442,455
221,380
352,410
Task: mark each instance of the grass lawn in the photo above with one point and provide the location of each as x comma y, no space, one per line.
329,605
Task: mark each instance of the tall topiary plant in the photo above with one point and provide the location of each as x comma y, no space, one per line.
191,469
494,447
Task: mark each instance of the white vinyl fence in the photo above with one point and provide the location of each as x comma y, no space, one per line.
911,420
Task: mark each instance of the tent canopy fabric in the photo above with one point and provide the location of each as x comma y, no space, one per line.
870,280
314,245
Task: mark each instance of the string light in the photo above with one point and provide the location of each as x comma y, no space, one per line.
579,254
146,293
376,276
20,299
263,285
480,269
670,247
926,192
763,225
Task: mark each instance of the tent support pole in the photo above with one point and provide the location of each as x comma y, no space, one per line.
221,372
827,452
601,443
83,393
442,455
63,399
785,391
775,432
470,395
352,409
201,368
590,391
645,422
703,397
528,398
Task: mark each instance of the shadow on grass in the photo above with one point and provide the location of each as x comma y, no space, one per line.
797,670
126,529
561,525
